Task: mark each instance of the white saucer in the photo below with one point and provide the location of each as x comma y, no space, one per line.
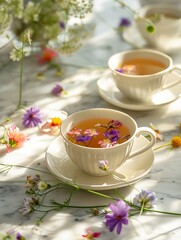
132,171
109,92
132,36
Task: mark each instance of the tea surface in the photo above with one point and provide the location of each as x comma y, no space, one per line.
98,133
141,66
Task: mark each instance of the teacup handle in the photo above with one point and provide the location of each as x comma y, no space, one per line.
176,69
150,144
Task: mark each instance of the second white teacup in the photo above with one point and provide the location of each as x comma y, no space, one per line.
111,154
141,73
167,23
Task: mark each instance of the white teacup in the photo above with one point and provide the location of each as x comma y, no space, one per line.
142,87
171,2
88,158
167,22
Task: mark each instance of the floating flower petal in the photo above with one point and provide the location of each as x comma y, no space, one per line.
83,138
106,143
91,132
112,135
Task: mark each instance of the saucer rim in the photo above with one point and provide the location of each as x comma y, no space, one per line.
128,106
101,187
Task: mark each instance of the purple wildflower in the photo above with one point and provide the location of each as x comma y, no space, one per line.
57,89
103,165
124,22
145,198
19,236
83,138
28,204
120,70
119,216
62,24
32,117
114,124
113,135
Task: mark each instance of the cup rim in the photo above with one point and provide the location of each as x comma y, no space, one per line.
142,11
143,50
93,148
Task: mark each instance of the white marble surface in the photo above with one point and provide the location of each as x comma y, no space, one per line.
164,177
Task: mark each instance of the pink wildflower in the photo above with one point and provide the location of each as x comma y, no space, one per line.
16,138
106,143
74,131
91,132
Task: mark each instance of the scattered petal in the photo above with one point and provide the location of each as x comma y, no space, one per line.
57,90
91,235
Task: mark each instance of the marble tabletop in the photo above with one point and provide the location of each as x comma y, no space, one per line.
80,73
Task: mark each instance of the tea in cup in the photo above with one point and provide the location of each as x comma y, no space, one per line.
141,73
167,23
99,140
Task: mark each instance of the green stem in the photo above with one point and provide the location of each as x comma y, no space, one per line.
21,75
163,212
124,5
2,164
142,208
100,194
164,145
75,206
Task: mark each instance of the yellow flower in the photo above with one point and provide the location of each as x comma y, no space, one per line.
176,141
56,121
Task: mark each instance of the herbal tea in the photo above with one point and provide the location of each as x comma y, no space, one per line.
98,133
141,66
